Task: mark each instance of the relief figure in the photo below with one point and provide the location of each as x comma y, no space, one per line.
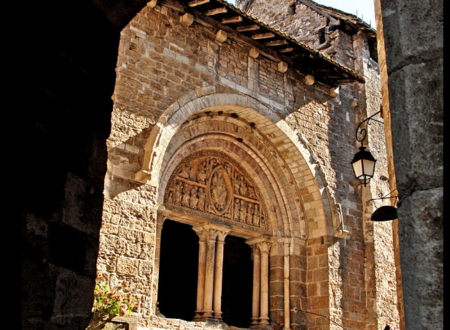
251,192
242,186
201,175
185,200
178,188
256,216
201,199
219,190
242,212
249,213
194,199
236,209
184,173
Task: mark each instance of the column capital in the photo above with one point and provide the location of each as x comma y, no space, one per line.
213,232
264,247
200,231
259,239
221,234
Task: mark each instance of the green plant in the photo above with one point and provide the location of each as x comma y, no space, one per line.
114,302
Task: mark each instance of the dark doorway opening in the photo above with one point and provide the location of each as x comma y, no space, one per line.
237,283
177,289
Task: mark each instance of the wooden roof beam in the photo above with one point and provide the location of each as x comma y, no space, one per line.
216,11
196,3
246,28
286,50
259,36
274,43
230,20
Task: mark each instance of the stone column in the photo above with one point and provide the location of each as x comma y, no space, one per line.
256,285
201,272
287,319
264,247
211,235
218,274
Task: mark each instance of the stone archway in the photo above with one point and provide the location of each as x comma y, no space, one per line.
305,174
240,132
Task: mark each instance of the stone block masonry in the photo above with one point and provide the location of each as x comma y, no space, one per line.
179,89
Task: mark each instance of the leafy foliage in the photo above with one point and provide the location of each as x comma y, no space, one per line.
114,302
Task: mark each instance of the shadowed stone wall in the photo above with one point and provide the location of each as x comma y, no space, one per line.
413,68
67,120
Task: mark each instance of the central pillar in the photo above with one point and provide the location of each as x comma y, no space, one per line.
264,247
218,274
211,235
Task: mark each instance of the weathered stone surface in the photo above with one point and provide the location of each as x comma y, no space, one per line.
417,116
414,32
421,242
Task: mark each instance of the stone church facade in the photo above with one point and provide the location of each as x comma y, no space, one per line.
229,186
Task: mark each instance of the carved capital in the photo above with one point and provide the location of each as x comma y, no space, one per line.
211,234
264,247
221,234
200,232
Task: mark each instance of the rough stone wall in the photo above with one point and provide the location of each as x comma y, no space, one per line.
304,24
161,62
413,68
301,23
67,117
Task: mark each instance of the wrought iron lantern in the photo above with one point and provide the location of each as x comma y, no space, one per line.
386,212
364,163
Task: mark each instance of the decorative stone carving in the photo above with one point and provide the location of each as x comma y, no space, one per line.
211,182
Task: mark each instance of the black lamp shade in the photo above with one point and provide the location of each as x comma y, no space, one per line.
363,165
385,213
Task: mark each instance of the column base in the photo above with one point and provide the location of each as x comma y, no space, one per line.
263,321
208,315
198,317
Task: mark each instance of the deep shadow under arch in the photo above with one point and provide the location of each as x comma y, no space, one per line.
237,283
177,290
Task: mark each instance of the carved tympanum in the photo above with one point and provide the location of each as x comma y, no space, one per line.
211,182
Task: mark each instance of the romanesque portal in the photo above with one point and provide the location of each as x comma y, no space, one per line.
219,197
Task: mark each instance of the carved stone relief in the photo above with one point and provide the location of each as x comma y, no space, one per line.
209,183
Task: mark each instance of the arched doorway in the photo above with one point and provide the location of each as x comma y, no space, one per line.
237,283
178,271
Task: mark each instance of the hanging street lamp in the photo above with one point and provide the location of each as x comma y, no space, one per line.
364,163
386,212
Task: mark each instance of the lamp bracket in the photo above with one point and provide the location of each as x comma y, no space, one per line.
384,197
362,132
